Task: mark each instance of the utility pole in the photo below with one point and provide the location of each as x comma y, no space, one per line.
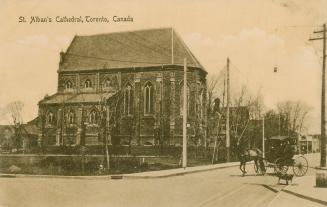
323,113
184,164
278,124
161,141
263,135
227,115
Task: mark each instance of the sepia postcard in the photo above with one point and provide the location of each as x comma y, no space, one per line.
179,103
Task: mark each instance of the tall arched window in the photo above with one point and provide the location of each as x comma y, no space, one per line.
68,84
50,118
201,104
88,84
71,117
182,99
148,98
128,100
93,117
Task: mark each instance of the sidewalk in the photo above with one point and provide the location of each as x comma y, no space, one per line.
142,175
301,193
179,171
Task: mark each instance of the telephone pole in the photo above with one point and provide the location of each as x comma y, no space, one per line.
184,163
227,115
263,135
323,112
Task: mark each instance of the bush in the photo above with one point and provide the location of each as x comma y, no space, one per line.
14,169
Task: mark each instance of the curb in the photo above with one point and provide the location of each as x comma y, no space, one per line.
125,176
306,197
217,166
299,195
55,176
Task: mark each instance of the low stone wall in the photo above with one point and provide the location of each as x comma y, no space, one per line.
70,161
175,151
81,165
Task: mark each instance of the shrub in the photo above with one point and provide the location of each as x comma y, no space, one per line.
14,169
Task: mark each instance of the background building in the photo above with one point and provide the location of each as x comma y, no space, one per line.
309,143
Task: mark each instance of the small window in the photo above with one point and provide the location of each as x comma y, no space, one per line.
93,117
71,117
106,84
50,118
68,85
201,104
88,84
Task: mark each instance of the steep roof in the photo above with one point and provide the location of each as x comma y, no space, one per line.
143,48
10,129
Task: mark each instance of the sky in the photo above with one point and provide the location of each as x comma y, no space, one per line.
257,35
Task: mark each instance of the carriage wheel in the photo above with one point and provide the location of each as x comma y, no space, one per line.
280,166
300,166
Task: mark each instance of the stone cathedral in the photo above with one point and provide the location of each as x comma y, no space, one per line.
146,68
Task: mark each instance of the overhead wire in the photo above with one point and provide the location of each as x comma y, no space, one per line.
166,50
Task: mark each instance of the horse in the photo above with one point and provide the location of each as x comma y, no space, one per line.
247,155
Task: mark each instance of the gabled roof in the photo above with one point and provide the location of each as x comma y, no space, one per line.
6,127
143,48
76,98
31,129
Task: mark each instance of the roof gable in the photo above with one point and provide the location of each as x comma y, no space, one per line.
141,48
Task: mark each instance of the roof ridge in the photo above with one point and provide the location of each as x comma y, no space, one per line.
189,52
126,31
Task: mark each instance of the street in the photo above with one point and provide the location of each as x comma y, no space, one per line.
212,188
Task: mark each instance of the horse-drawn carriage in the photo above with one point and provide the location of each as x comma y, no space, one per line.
281,155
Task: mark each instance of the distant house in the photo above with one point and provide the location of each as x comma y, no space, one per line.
30,133
309,143
6,136
20,137
316,142
145,69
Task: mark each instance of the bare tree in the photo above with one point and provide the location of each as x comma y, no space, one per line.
294,114
244,107
215,89
245,114
256,106
109,114
240,111
13,112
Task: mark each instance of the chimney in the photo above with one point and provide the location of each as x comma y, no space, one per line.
62,57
